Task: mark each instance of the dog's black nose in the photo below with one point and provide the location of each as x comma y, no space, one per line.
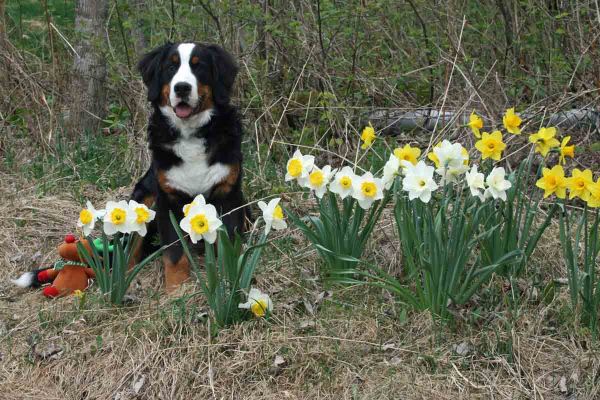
182,89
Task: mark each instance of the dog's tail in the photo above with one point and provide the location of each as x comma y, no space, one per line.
32,279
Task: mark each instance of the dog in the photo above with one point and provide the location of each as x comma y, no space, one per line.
194,137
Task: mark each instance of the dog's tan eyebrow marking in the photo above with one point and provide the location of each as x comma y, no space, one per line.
175,58
195,60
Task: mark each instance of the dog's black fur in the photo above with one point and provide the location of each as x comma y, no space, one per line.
215,70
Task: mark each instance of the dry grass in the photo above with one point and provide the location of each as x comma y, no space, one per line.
350,344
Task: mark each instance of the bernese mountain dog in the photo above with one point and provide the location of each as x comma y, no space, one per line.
194,137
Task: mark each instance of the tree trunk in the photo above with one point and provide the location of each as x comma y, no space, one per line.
87,92
140,43
2,24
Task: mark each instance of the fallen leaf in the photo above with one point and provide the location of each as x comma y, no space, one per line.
138,384
279,361
562,384
462,349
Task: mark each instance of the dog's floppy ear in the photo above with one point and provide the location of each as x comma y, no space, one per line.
149,67
224,71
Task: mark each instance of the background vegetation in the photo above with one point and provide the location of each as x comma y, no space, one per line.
311,74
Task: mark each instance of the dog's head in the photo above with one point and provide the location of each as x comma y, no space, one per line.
188,78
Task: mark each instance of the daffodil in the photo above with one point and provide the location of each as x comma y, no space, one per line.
579,184
201,223
544,140
407,153
258,303
497,185
553,181
491,145
140,215
566,151
342,183
273,215
116,218
433,157
476,182
476,124
299,166
318,179
391,169
367,189
418,182
512,122
452,161
594,199
78,294
368,136
87,218
198,199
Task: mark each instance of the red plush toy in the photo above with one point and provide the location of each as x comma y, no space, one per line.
68,275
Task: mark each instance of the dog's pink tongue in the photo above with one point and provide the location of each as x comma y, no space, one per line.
183,110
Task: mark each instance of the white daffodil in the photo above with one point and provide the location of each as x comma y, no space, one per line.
198,200
366,189
117,219
139,215
497,185
201,223
418,182
318,179
452,161
298,167
391,169
258,303
273,215
342,182
87,218
476,182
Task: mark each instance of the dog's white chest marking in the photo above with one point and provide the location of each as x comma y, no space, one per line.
194,176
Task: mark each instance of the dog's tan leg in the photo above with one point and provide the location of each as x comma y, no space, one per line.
175,273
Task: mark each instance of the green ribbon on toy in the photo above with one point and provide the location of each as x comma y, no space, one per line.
60,264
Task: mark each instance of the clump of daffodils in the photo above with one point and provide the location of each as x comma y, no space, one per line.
117,217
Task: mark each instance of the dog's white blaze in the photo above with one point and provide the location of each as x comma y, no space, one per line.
194,176
184,74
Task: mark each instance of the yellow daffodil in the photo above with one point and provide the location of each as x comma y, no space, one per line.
512,122
594,199
491,145
553,181
78,293
407,153
544,140
476,124
433,157
579,184
368,136
566,151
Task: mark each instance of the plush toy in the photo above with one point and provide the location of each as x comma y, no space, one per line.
68,275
